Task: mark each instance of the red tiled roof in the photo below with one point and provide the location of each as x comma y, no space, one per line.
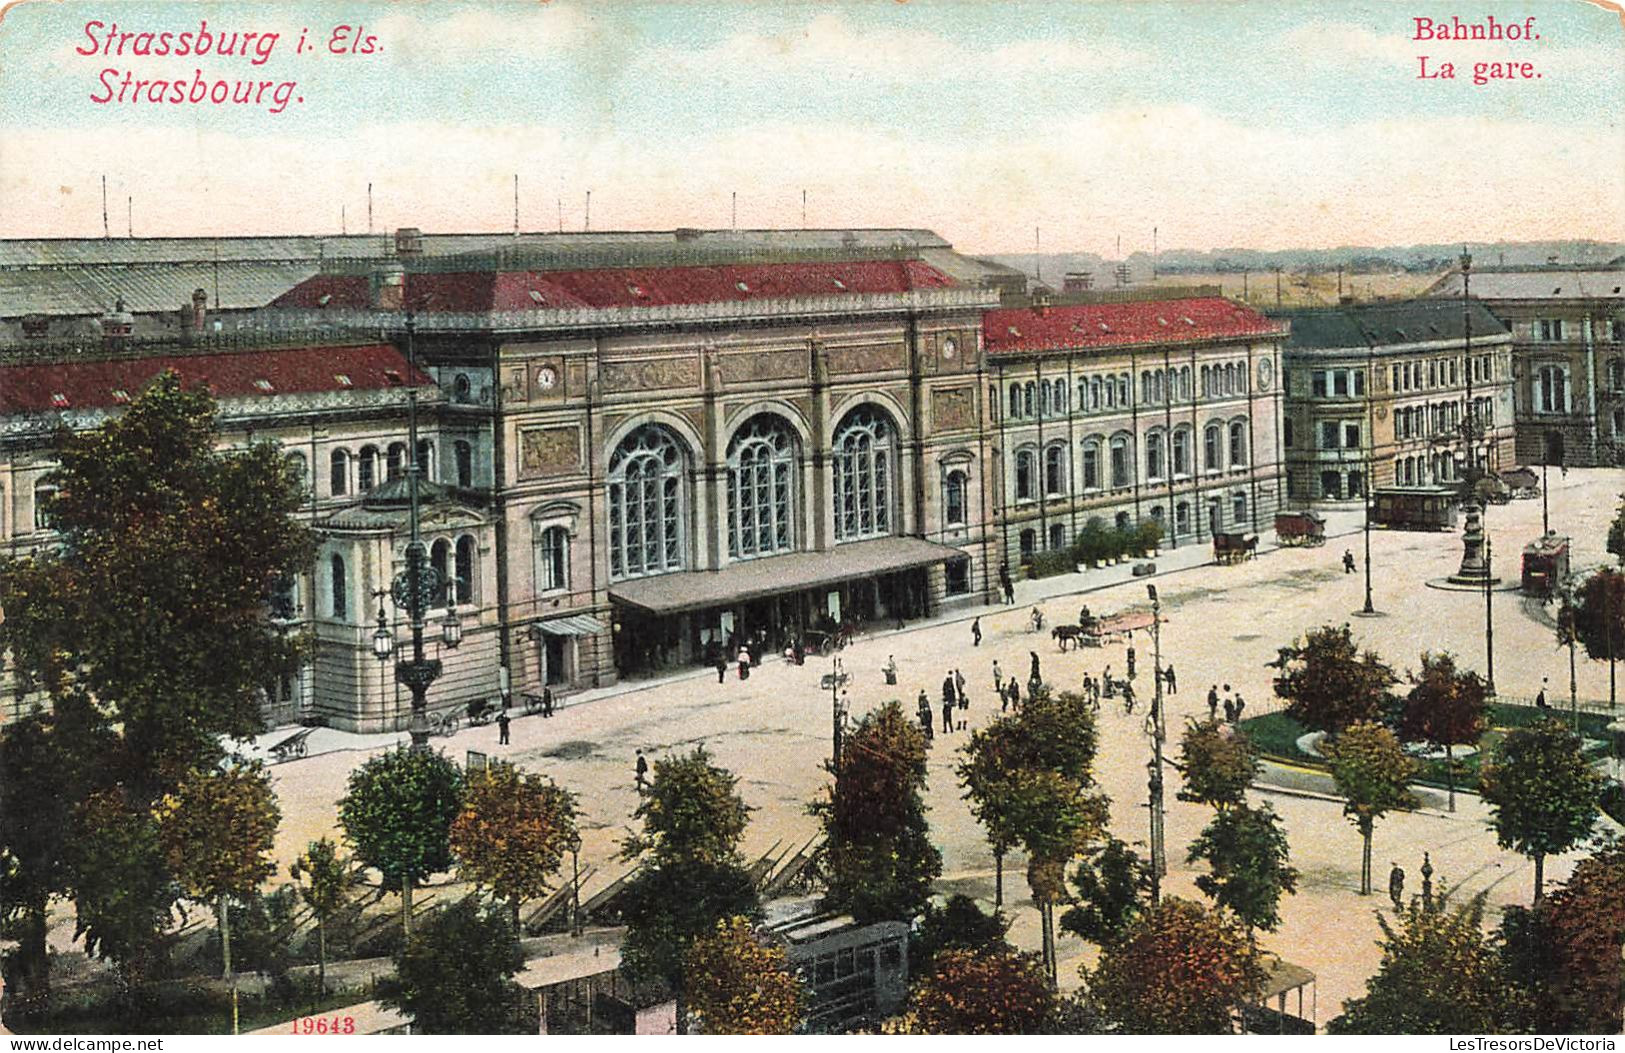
239,374
1113,324
475,291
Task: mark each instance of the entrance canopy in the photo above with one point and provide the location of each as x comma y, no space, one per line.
572,625
758,578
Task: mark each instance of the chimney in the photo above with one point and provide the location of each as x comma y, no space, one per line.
408,241
117,326
388,291
200,309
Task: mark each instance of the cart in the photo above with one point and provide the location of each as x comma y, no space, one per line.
1300,529
1234,548
1099,631
291,747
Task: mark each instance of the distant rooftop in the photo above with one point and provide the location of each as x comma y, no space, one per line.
1385,324
1083,326
1551,282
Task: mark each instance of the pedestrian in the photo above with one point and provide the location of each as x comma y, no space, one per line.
976,632
1168,675
922,709
998,676
722,667
642,770
503,722
1128,698
959,685
547,702
1034,675
1396,886
1015,695
744,663
1107,685
1348,562
1241,704
799,650
950,699
1083,617
1131,661
1213,702
1540,699
1004,695
1005,584
1229,712
1037,619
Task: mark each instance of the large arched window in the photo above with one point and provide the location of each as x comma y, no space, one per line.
953,498
1055,473
1238,443
646,503
1212,443
463,453
465,569
440,560
1015,402
426,459
397,460
338,472
761,488
340,593
299,468
1122,462
1091,464
367,469
1028,400
1122,389
1060,396
1026,472
1182,450
44,494
1551,393
864,446
1154,455
553,559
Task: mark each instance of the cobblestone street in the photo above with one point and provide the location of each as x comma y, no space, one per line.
1222,625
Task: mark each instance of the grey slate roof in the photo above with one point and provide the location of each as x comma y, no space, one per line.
1538,283
1407,322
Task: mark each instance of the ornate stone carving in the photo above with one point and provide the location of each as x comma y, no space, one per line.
546,450
762,365
952,409
879,358
650,376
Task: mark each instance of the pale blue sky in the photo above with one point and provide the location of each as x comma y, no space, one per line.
1265,124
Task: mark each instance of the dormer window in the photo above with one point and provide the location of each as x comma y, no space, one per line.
264,385
742,287
59,400
1104,328
537,298
324,299
1187,320
842,285
636,290
342,379
121,396
393,378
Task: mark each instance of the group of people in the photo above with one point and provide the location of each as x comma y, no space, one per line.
1233,705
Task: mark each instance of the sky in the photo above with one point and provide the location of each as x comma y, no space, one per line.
1267,124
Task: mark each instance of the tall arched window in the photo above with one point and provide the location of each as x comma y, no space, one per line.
340,594
44,494
1055,481
397,461
1026,490
426,459
440,560
299,469
1145,387
1122,462
1091,464
1185,383
1094,393
953,498
761,488
1060,396
465,569
463,452
864,446
1015,402
338,472
553,559
646,503
1153,455
1238,443
1552,390
1211,445
1122,389
1028,399
367,469
1044,406
1182,450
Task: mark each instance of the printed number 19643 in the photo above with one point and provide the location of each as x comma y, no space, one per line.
324,1025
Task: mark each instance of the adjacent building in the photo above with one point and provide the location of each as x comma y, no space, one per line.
1376,395
1125,409
1568,334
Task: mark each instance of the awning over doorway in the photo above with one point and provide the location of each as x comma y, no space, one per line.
754,579
572,625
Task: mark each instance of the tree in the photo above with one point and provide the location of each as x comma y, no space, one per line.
1446,708
398,812
217,828
960,925
1599,622
1181,969
324,878
988,762
1439,976
994,991
740,984
1056,818
124,895
692,878
881,862
152,518
1373,774
1246,852
1218,764
1110,885
1585,920
1328,683
512,834
455,975
1542,794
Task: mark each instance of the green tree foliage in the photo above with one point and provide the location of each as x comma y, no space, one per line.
1599,622
153,519
989,760
1542,794
512,834
397,813
881,860
959,924
1439,976
1373,774
1110,888
1219,765
741,984
1181,969
992,991
692,877
691,812
1585,920
1095,542
1057,819
1446,707
455,975
1328,683
1248,869
325,878
217,828
124,894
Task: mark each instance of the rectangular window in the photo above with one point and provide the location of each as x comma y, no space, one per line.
1551,328
1359,381
1340,382
1328,435
1318,379
1396,378
1286,431
1351,436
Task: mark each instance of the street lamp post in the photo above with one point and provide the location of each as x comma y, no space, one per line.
1159,852
837,710
383,645
1565,625
1489,616
1370,444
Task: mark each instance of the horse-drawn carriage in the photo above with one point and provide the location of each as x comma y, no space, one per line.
1300,528
1522,482
1234,548
1094,632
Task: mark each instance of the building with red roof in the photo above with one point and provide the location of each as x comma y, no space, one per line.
1133,410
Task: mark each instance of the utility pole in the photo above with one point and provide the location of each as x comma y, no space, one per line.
1489,617
586,222
1277,286
516,204
105,232
1370,444
1159,852
837,711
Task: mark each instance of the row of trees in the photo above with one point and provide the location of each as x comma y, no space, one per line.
1098,543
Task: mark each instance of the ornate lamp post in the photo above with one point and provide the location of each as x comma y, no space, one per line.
1370,446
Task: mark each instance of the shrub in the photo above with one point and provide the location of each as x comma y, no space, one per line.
1094,541
1049,564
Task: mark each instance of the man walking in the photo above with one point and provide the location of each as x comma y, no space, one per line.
642,770
950,698
1213,702
959,686
976,632
922,709
1168,675
722,667
503,722
547,701
1396,886
998,676
1005,584
1241,704
1348,562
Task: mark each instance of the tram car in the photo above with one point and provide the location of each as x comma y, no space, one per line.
1300,528
1545,564
1414,507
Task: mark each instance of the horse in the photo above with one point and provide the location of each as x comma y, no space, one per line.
1065,634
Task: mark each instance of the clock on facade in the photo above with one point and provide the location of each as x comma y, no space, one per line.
546,377
950,347
1266,373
